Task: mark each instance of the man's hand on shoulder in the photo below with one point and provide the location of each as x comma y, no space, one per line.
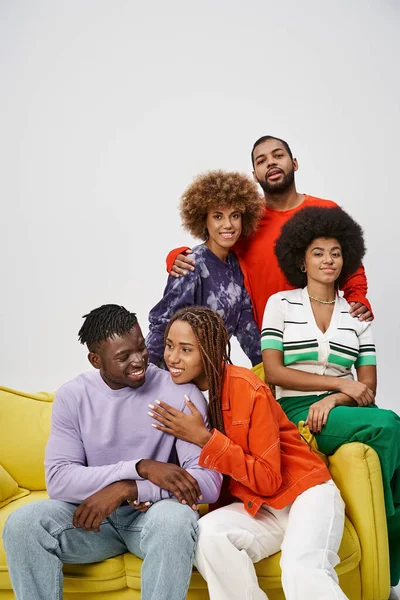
101,504
361,311
173,478
183,264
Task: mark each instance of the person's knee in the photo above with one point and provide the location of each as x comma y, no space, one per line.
20,524
385,423
172,521
31,520
212,537
392,425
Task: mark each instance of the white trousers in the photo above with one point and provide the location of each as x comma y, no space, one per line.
308,532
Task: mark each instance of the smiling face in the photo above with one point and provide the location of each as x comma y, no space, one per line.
273,167
323,260
122,360
182,356
224,226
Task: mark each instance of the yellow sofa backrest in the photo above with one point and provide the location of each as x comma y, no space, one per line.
24,429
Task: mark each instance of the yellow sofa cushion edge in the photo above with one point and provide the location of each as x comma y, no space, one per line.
9,488
42,396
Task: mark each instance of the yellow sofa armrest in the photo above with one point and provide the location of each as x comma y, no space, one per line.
356,470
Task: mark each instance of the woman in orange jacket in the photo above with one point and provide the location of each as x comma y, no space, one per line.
278,492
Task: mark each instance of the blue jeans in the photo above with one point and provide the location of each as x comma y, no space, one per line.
39,538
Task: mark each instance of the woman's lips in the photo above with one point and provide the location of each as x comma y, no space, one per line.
174,372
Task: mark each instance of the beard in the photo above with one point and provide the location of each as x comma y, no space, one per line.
281,186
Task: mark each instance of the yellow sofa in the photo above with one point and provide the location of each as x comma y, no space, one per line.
364,567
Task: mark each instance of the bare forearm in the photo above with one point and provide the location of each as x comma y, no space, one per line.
294,379
367,376
343,399
127,489
369,382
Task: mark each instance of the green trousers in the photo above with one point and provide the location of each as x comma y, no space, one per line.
379,429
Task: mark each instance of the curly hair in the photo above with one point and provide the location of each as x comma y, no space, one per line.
311,223
213,340
217,189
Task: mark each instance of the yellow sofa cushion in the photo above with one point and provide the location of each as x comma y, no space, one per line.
9,488
25,426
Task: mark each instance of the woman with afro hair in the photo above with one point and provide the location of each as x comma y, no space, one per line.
310,345
218,207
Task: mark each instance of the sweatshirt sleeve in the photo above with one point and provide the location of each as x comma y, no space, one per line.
177,294
68,477
259,468
188,458
355,288
171,256
247,331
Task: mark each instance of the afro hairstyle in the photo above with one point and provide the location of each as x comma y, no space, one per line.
220,189
311,223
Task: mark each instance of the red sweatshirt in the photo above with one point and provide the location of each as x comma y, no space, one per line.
262,274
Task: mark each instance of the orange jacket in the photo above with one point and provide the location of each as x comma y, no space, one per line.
262,451
262,274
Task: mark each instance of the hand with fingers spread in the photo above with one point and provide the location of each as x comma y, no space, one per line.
361,311
173,478
360,392
318,413
101,504
186,427
183,264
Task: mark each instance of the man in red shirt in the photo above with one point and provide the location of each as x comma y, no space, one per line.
274,169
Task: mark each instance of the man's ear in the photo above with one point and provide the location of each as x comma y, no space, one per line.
295,164
94,360
255,177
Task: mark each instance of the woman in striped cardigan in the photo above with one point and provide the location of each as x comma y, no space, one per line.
310,346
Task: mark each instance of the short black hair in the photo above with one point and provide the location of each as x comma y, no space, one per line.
265,138
311,223
103,323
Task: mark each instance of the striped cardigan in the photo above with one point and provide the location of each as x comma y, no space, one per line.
289,326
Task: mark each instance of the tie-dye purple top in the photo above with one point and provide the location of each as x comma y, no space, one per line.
217,285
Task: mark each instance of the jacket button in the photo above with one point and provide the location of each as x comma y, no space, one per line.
249,504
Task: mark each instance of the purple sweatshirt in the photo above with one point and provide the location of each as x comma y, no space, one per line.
99,434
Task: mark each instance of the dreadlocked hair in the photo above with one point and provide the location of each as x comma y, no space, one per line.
213,340
103,323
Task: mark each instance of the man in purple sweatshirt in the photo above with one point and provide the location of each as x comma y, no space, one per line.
104,462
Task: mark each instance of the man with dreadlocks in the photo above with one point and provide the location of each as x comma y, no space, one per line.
104,462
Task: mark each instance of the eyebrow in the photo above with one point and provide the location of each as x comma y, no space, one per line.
319,248
127,350
181,343
272,152
219,212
